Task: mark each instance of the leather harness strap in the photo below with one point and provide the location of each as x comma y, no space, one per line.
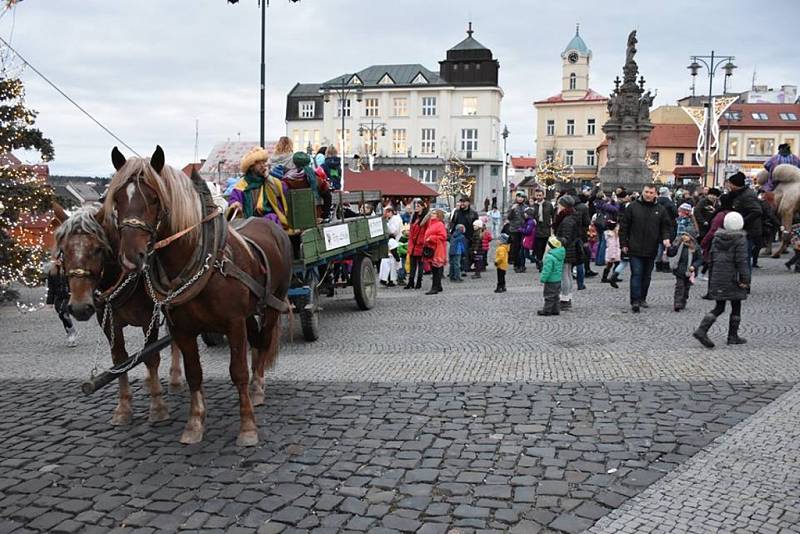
166,241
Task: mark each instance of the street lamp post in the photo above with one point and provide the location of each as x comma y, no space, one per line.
711,63
372,129
504,180
342,90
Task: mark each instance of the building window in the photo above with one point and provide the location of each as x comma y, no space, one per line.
428,106
573,81
570,157
307,109
679,158
570,127
733,147
694,159
316,144
338,141
470,105
398,141
590,127
495,170
733,115
551,127
549,155
296,137
428,137
469,140
371,108
788,116
343,106
760,146
400,106
759,116
427,176
590,158
655,157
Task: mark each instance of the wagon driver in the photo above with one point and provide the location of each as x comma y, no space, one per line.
259,194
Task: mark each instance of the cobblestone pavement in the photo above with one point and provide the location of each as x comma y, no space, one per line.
458,413
747,482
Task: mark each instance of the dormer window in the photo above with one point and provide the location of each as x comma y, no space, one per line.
355,80
386,80
419,79
573,81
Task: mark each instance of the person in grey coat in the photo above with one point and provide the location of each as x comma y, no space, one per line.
730,279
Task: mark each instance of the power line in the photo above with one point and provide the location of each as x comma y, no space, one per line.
54,86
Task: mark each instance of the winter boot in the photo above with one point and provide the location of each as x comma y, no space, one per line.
701,334
733,331
613,279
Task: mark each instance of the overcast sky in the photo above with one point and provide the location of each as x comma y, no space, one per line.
148,69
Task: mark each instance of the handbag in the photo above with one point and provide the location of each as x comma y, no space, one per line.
427,252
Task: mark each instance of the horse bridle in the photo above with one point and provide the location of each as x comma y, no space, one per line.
139,224
77,273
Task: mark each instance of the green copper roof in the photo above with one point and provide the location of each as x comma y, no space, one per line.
577,44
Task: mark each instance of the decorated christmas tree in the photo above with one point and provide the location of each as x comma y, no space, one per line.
23,195
552,172
456,180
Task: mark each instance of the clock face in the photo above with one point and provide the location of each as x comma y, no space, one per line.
573,57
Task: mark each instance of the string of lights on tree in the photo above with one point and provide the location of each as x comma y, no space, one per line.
554,171
456,180
24,196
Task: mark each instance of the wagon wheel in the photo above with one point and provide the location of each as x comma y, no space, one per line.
309,309
363,276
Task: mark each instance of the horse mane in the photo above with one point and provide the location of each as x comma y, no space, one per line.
174,189
84,221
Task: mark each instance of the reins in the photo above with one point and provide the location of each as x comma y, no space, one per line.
166,241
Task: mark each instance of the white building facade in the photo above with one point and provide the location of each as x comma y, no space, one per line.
408,117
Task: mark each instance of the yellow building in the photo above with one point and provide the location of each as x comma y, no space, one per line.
568,124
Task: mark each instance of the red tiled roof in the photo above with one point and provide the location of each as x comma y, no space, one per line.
521,162
688,170
389,183
670,136
590,96
774,121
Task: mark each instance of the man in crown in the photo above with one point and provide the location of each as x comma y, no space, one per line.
259,194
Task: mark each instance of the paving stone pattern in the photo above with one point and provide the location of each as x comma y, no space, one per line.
356,457
747,482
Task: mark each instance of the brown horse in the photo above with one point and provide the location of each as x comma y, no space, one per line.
86,254
159,213
787,198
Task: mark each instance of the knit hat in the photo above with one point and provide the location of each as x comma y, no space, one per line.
733,221
567,201
553,242
319,159
503,238
477,223
530,212
663,191
277,171
301,160
255,155
714,191
522,194
685,207
737,179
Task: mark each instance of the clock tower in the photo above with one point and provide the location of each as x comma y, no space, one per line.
575,68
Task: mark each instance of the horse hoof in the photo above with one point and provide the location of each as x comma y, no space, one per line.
175,387
247,439
191,436
121,418
158,415
257,398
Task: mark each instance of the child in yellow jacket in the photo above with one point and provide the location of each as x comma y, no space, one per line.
501,262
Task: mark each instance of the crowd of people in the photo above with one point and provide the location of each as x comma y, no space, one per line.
707,237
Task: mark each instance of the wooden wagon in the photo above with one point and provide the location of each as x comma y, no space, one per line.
341,253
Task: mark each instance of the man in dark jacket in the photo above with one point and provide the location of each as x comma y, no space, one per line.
704,211
543,213
584,210
465,215
516,218
644,226
665,200
745,202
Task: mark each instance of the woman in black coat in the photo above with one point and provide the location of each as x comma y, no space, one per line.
566,226
730,279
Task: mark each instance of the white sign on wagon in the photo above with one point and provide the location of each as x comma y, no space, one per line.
376,227
336,236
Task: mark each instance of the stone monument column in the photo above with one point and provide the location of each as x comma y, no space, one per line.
628,128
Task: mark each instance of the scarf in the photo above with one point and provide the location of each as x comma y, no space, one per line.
269,192
561,215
